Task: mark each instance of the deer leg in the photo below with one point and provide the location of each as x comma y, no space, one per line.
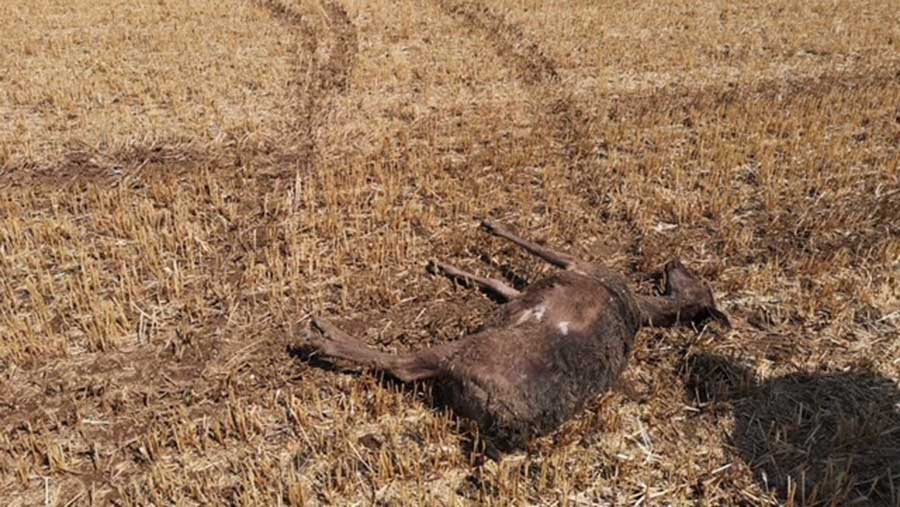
336,344
496,287
558,259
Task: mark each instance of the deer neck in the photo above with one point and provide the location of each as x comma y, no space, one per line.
665,311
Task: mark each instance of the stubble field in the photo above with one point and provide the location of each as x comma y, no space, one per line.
183,183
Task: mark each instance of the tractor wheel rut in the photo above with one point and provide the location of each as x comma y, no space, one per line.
317,81
566,121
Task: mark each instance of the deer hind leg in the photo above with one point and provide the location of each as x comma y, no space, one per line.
336,344
496,287
554,257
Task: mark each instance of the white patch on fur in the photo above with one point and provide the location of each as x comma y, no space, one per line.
539,311
523,317
564,327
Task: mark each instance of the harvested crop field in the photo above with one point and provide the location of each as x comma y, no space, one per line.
183,183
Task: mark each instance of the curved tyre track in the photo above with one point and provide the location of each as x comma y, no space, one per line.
139,396
566,121
327,78
536,70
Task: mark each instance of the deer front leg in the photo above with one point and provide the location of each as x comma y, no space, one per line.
336,344
496,287
558,259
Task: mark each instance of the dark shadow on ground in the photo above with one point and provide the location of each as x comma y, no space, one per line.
820,438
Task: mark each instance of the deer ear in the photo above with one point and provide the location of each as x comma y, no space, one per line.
720,317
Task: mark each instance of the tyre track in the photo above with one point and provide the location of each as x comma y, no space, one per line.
536,70
316,83
138,391
567,122
326,79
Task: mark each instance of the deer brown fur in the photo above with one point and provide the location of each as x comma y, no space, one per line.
548,350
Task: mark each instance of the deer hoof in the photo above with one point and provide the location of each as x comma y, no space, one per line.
492,227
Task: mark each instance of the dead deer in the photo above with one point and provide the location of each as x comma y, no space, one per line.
548,350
